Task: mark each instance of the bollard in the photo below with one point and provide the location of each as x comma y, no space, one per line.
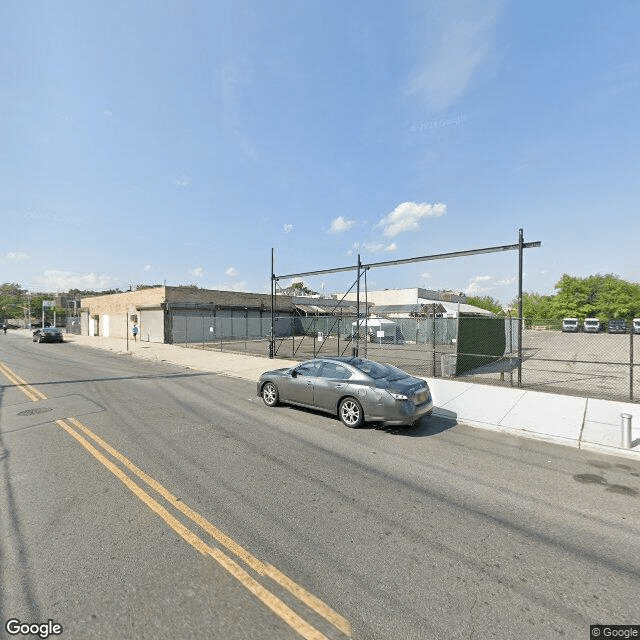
626,430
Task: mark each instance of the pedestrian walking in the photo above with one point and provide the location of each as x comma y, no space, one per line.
135,330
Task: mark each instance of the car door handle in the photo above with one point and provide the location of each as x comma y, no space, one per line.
339,386
309,383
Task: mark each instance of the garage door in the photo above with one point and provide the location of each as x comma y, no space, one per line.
152,325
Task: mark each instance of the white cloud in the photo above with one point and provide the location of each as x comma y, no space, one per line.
457,37
147,267
506,281
377,247
107,113
15,256
182,180
475,285
63,280
198,272
288,228
407,216
426,276
340,225
230,271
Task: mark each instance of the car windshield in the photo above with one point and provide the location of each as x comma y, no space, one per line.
378,371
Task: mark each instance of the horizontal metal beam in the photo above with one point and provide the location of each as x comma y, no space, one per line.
438,256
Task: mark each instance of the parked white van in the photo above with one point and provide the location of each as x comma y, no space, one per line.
591,325
636,325
571,324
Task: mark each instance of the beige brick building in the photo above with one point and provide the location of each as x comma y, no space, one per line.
177,314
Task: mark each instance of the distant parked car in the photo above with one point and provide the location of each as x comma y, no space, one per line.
354,389
591,325
636,325
48,334
571,325
617,326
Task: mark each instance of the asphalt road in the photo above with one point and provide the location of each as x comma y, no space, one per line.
143,500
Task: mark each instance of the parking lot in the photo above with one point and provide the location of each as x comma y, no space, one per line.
598,365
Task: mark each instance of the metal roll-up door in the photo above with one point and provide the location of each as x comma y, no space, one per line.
152,325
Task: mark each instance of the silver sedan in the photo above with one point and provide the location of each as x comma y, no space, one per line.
354,389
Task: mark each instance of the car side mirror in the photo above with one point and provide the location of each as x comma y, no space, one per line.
294,373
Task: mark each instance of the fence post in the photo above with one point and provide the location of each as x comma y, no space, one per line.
631,362
434,344
520,319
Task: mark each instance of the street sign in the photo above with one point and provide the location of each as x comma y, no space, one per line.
47,303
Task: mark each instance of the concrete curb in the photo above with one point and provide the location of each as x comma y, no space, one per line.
584,423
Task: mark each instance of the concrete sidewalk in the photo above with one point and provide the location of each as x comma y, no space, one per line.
584,423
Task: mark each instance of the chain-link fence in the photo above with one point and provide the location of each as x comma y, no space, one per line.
597,365
478,349
72,325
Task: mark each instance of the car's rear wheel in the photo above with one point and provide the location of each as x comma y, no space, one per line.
351,413
270,394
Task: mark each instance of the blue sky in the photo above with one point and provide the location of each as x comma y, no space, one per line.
154,141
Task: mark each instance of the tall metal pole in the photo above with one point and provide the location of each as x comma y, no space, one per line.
357,347
520,319
631,362
272,334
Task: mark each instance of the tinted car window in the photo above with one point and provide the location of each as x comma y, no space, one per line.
308,368
378,371
334,371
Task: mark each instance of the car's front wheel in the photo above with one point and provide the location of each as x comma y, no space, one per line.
351,413
270,394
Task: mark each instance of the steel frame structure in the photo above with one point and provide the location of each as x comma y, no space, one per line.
361,269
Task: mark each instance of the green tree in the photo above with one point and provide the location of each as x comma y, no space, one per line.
605,297
599,296
536,306
11,295
488,303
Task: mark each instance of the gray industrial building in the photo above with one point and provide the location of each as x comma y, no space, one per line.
192,315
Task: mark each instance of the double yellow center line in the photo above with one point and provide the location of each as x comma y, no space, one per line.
76,429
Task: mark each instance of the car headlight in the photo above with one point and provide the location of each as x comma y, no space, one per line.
397,396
